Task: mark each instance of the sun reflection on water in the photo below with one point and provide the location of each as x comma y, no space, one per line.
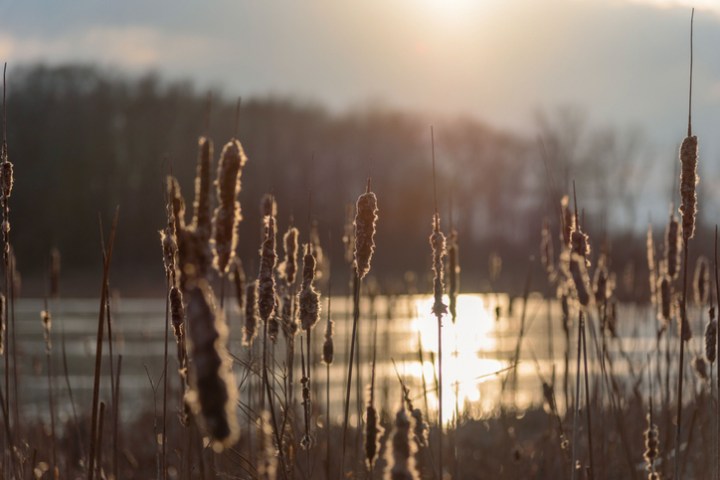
469,352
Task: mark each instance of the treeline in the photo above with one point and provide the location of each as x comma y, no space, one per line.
85,140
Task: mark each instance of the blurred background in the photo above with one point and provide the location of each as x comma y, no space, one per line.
525,97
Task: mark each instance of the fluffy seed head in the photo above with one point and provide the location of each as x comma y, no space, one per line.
373,432
201,206
365,221
652,442
580,279
266,278
437,243
289,322
711,337
328,346
688,181
308,298
6,174
227,214
701,282
665,299
400,450
288,268
273,324
213,393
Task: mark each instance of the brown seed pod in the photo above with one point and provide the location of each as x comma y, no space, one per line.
201,206
711,337
437,243
652,442
580,279
289,320
177,203
365,222
373,432
688,181
238,278
700,367
328,346
213,393
266,277
227,214
308,298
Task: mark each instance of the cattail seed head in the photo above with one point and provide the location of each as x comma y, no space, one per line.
673,247
177,313
308,298
688,182
251,319
266,278
288,268
437,243
580,279
7,178
365,221
568,221
700,368
201,206
46,319
701,281
711,337
453,272
227,214
652,442
273,323
665,291
213,393
373,432
177,203
328,350
400,450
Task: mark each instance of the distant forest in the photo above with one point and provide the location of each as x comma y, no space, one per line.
85,140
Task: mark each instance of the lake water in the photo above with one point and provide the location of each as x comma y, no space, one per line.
478,349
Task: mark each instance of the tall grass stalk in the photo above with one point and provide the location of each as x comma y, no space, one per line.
688,180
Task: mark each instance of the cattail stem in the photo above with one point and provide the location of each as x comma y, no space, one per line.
440,397
717,297
576,413
165,377
51,405
353,338
328,421
591,472
681,364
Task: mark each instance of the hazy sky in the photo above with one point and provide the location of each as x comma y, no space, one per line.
624,62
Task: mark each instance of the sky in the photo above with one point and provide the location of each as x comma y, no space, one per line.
623,62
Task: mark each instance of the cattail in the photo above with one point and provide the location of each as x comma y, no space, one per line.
562,294
201,206
47,327
673,248
177,313
289,322
213,393
168,240
683,324
420,428
453,272
579,244
177,203
365,220
711,337
437,242
652,442
273,324
266,279
568,221
6,173
308,298
701,281
580,279
373,432
400,450
227,214
54,273
328,350
688,182
268,206
665,291
600,281
267,466
700,367
547,258
288,268
652,268
238,279
251,311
